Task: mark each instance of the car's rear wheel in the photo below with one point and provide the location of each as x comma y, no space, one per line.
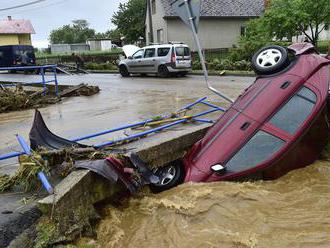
170,176
183,74
270,59
123,71
163,71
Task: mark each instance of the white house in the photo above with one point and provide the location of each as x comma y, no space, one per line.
221,23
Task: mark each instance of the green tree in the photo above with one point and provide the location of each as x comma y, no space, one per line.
77,32
283,19
130,19
288,18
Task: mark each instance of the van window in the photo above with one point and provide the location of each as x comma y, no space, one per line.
261,147
149,53
162,52
138,54
182,51
293,114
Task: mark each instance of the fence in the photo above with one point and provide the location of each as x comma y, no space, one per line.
42,70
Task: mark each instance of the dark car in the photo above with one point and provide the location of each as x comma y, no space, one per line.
280,123
17,55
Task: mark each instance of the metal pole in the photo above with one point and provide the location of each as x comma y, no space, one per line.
201,57
56,82
43,80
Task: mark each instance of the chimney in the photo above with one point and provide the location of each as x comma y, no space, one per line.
9,18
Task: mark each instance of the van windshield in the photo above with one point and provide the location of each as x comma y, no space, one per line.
182,51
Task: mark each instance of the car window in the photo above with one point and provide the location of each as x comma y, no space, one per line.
149,53
182,51
292,115
261,147
138,54
162,52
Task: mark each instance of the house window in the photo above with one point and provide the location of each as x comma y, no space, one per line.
160,36
153,7
243,31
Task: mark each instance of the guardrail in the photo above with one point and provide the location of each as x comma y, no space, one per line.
42,69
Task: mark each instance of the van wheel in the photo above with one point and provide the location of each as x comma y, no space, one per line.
163,71
123,71
170,176
270,59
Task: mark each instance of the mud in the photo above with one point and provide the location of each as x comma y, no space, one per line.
290,212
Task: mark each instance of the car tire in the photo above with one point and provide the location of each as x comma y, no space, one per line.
123,71
163,71
170,176
183,74
270,59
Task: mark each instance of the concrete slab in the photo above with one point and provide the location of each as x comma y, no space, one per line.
156,151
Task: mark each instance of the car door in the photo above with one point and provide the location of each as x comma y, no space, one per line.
134,63
149,61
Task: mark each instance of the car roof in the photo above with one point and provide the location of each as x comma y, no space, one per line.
166,45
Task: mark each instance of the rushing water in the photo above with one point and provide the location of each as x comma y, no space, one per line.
292,211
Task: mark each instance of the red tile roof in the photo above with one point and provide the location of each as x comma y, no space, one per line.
16,27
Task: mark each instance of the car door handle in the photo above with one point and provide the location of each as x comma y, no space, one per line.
153,60
140,61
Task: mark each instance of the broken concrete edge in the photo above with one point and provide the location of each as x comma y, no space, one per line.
156,151
82,187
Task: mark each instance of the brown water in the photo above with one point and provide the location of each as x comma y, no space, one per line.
292,211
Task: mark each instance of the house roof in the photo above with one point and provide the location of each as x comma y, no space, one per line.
224,8
16,27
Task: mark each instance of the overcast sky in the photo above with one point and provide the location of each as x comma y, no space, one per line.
50,14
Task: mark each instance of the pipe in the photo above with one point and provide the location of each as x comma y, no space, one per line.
201,57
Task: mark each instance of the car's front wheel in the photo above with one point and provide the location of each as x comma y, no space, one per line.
270,59
170,176
123,71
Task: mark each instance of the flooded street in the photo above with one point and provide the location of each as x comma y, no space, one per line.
292,211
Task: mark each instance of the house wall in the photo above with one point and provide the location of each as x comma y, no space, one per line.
213,33
9,39
158,23
24,39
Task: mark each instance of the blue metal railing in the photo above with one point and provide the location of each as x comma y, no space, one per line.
42,70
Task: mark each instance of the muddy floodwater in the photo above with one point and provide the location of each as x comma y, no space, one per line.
292,211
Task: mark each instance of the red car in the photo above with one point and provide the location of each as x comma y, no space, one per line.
279,123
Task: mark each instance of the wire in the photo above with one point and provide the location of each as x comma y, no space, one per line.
37,8
23,5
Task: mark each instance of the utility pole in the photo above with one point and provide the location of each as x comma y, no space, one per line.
151,31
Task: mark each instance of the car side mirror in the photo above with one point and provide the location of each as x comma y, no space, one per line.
130,57
218,169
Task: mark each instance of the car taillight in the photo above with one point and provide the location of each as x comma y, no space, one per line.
173,57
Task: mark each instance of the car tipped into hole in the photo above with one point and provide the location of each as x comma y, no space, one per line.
278,124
